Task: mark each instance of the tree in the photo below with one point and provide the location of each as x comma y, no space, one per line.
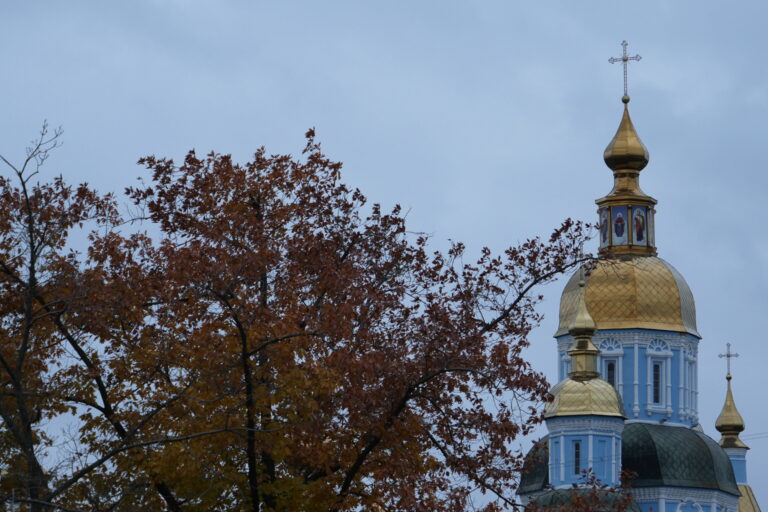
66,350
282,346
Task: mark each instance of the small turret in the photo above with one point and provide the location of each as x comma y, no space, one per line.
586,417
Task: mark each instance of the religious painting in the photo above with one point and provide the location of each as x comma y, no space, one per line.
639,226
604,226
651,232
619,225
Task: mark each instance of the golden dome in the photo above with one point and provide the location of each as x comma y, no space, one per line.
594,397
730,423
634,293
626,151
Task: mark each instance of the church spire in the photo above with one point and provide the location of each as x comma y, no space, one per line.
730,423
626,213
584,353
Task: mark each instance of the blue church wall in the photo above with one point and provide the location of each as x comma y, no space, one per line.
654,372
738,457
578,444
680,499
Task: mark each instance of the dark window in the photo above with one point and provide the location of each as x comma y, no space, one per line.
610,372
657,383
577,457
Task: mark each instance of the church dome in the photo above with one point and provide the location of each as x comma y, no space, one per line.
584,397
632,293
660,455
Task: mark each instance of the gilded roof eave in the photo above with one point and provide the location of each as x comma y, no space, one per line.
637,293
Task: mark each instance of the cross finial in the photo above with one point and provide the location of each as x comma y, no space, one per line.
624,59
728,355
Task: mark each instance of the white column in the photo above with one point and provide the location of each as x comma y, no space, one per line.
696,390
620,373
636,407
562,458
681,406
669,385
648,382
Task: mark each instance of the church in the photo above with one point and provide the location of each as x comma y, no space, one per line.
627,347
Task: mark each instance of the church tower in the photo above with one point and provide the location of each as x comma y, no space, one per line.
630,326
642,306
730,424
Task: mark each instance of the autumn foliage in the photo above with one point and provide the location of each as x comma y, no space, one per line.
256,337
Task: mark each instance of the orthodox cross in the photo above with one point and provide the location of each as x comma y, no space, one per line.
728,355
624,59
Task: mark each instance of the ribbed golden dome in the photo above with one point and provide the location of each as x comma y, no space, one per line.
594,397
626,151
635,293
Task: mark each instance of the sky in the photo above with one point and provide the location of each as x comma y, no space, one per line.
485,120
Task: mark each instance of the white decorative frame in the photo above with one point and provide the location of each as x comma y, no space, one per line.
658,351
611,350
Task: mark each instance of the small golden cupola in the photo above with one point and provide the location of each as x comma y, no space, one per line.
584,393
626,213
730,423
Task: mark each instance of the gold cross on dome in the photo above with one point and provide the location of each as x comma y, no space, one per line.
624,59
728,355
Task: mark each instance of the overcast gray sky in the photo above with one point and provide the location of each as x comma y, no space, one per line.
486,119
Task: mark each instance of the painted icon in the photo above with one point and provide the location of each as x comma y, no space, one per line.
639,226
604,225
620,226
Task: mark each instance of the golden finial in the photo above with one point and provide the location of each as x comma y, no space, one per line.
730,423
584,352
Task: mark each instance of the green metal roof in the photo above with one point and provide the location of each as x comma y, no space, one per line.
664,455
661,455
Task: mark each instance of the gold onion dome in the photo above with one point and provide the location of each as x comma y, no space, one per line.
730,423
584,392
633,293
626,151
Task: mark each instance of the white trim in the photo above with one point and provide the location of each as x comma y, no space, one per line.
562,459
636,406
681,385
670,360
645,495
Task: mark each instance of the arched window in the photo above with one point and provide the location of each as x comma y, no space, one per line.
611,357
659,377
